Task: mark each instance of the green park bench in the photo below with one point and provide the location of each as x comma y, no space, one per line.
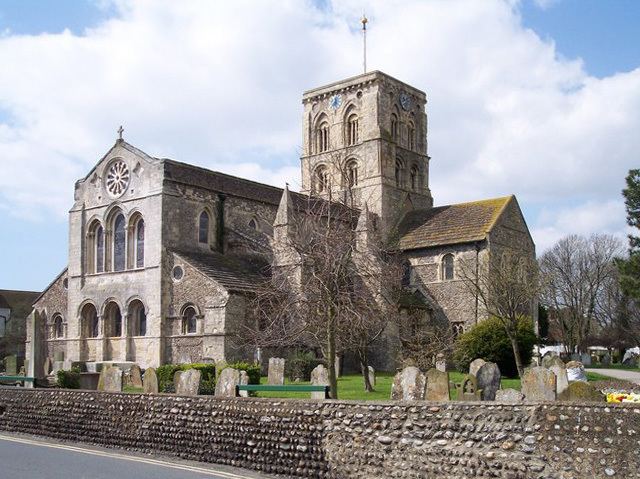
304,388
16,379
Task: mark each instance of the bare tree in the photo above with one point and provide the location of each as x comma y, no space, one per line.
507,286
580,281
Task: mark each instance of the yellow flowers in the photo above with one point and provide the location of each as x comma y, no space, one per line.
617,397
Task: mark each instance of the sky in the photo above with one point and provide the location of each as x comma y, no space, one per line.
537,98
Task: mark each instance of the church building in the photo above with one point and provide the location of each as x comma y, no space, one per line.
164,256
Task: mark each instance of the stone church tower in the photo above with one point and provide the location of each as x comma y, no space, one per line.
365,140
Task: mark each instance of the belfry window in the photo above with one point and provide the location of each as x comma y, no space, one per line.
321,179
394,127
322,137
203,228
414,177
411,136
352,130
352,173
119,243
399,170
447,267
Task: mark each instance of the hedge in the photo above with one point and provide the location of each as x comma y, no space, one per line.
68,379
166,372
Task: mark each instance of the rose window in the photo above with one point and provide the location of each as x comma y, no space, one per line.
117,178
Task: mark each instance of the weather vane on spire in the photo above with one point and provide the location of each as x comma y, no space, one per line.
364,21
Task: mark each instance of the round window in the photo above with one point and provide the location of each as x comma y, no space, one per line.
177,273
117,178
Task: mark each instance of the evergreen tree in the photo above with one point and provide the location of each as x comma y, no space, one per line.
630,268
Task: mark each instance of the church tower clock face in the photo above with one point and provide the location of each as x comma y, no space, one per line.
117,178
335,101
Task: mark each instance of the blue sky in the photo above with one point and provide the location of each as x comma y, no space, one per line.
40,114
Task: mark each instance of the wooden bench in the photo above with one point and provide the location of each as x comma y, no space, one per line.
304,388
16,379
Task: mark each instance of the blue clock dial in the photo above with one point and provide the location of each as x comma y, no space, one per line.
335,101
405,101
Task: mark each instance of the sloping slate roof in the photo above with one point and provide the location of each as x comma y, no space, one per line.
235,273
20,302
450,224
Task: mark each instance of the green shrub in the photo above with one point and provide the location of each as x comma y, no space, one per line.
166,372
69,379
253,370
488,340
300,364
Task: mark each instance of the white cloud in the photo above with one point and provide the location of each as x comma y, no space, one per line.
219,84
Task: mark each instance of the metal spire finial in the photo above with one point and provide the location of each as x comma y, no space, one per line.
364,22
120,132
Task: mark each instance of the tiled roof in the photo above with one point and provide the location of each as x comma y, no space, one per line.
20,302
450,224
235,273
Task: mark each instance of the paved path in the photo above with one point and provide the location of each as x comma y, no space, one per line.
29,457
632,376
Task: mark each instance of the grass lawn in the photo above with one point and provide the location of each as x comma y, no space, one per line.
614,366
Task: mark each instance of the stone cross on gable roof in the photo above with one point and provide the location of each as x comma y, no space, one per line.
120,131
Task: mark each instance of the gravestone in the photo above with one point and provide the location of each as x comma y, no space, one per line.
475,365
226,384
582,392
441,362
89,381
562,380
244,380
509,395
488,380
576,357
606,359
48,366
372,375
576,372
468,389
630,358
187,383
539,384
409,385
276,372
11,365
150,381
135,376
553,361
319,377
437,385
585,359
549,359
110,379
58,356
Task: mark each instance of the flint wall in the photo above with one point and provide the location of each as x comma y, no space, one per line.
335,439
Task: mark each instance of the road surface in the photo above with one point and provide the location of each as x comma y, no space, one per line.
29,457
632,376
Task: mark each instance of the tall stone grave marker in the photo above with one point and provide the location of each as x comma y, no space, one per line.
549,358
372,375
539,384
437,385
409,385
562,380
441,362
135,376
110,379
243,380
488,380
150,381
468,389
475,365
11,365
319,377
226,384
576,372
585,359
276,372
187,383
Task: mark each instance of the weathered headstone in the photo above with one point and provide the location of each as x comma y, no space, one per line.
606,359
468,389
585,359
187,383
408,385
553,361
576,357
441,362
89,381
135,376
509,395
580,392
437,385
539,384
576,372
58,356
226,384
276,372
475,365
549,359
338,365
562,380
319,377
488,380
244,379
11,365
150,381
372,375
630,358
110,379
48,366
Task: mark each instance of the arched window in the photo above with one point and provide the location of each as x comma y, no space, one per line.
189,321
447,267
89,317
119,243
399,172
139,235
253,224
413,175
406,273
321,179
352,130
138,318
113,320
322,137
411,136
395,127
95,248
203,228
352,172
99,252
58,326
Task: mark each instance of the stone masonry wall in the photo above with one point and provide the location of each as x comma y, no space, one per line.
334,439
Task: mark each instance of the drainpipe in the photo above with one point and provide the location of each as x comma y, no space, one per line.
478,284
220,223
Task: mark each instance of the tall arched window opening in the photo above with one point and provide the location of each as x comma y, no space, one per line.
399,172
203,228
406,273
321,179
394,127
138,318
119,243
139,233
113,320
322,137
58,327
411,136
414,177
89,317
99,254
352,130
189,321
352,173
447,267
95,248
